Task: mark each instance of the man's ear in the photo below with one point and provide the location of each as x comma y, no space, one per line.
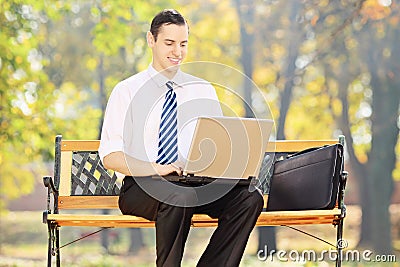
150,39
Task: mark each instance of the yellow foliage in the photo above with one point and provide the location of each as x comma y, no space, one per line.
351,43
16,179
18,60
315,86
396,171
309,117
394,21
373,10
278,51
301,125
309,46
230,101
330,20
323,3
91,64
264,75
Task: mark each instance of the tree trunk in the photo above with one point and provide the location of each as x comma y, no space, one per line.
102,89
136,240
245,10
104,240
136,237
344,77
382,160
267,235
289,73
378,187
266,241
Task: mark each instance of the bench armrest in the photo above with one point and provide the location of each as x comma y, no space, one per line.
342,188
51,190
48,182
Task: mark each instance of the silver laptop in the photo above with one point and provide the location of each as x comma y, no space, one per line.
227,147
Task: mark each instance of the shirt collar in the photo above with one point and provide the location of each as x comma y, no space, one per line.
161,80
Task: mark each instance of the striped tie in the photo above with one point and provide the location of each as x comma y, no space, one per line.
168,136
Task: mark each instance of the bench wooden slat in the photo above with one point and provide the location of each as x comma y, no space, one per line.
65,173
199,220
111,202
97,202
80,145
296,145
273,146
88,202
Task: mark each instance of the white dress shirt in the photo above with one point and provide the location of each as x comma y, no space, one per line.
132,117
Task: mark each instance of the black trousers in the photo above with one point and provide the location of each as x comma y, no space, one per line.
237,212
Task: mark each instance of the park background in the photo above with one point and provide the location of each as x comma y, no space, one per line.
325,67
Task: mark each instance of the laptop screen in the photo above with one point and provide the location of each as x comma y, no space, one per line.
228,147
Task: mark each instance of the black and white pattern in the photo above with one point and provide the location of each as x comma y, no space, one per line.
168,136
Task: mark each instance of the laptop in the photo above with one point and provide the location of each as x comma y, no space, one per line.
225,148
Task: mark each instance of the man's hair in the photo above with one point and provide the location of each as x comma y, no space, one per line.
167,16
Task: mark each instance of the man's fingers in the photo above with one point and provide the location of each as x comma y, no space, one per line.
176,165
179,171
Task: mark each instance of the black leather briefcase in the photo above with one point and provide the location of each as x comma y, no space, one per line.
307,180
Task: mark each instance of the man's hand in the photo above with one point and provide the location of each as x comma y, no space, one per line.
163,170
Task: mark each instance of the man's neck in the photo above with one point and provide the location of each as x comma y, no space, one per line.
168,73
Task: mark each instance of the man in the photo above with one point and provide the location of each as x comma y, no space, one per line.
147,130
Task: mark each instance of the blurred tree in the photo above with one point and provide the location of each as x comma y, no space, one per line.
71,68
345,75
246,16
26,119
246,12
364,99
39,97
377,35
280,35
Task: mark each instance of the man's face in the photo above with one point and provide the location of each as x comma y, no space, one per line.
170,48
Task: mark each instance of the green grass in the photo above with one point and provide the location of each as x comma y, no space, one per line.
23,243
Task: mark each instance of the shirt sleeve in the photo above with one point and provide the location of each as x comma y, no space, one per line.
114,120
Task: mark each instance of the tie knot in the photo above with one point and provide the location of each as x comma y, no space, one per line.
169,85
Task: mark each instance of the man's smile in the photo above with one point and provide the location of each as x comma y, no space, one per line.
175,61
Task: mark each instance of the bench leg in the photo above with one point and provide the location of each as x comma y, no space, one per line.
53,244
339,243
49,245
57,249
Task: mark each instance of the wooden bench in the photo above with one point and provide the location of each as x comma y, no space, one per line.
80,182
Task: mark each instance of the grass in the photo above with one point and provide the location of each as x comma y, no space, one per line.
23,242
